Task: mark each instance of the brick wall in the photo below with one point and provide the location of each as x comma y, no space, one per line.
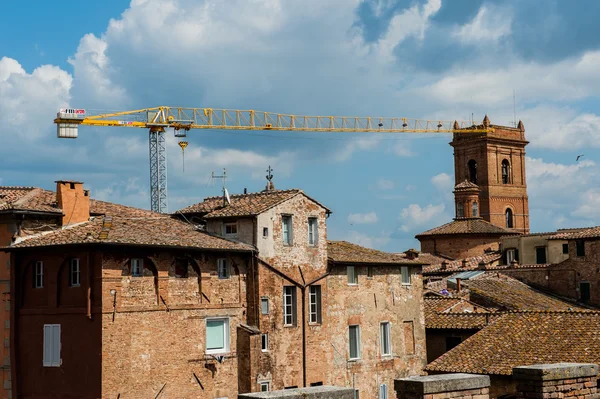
561,380
459,246
444,386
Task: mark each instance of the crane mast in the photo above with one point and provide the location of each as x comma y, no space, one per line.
158,119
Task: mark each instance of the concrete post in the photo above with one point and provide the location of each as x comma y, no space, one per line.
444,386
560,380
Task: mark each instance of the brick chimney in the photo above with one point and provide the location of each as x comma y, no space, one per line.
444,265
74,201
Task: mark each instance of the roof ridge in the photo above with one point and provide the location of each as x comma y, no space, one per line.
28,196
44,233
253,194
17,187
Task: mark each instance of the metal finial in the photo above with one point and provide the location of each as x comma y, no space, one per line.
269,173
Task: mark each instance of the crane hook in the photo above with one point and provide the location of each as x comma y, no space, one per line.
183,144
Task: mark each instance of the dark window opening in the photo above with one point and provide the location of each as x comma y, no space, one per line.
584,291
316,384
540,255
181,268
509,218
72,185
505,172
370,271
451,342
265,231
460,210
292,387
472,171
565,248
580,246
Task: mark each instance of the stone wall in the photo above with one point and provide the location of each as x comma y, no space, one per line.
553,381
444,386
459,246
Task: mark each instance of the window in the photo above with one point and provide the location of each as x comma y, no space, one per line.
265,386
74,273
287,229
312,231
460,210
405,271
314,307
580,248
565,248
509,218
51,345
217,335
356,394
451,342
351,272
230,229
505,172
265,342
386,347
354,342
510,255
584,291
265,232
181,268
472,171
223,268
289,306
137,267
316,384
38,278
370,272
383,391
540,255
264,305
475,210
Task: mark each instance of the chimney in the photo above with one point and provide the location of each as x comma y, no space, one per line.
481,265
74,201
464,263
245,190
411,254
457,285
444,265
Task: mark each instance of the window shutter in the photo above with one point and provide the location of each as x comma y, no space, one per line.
48,330
56,345
505,257
517,255
319,314
294,309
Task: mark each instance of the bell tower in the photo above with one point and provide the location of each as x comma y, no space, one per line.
495,162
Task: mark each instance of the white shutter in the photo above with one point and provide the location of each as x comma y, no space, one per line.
48,345
383,391
56,345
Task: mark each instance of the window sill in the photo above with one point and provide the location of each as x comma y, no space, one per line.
314,324
219,352
406,285
355,360
353,284
289,326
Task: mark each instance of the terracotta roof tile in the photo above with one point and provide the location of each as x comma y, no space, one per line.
160,231
466,226
28,199
592,232
243,204
511,294
346,252
465,185
521,339
472,263
444,312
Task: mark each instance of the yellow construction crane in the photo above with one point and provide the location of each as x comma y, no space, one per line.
181,120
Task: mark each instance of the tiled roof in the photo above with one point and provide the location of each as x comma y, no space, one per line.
592,232
444,312
521,339
243,204
28,199
346,252
457,265
465,185
511,294
98,207
466,226
159,231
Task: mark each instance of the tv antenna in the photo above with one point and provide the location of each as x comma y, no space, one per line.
514,109
226,199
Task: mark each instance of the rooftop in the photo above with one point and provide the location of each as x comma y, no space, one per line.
243,204
470,263
454,313
575,234
467,226
157,231
346,252
526,338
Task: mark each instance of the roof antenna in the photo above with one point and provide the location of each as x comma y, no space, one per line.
226,198
270,185
514,109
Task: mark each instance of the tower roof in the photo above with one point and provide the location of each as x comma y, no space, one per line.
467,226
466,185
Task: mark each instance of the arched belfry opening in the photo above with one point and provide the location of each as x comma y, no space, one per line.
472,165
505,172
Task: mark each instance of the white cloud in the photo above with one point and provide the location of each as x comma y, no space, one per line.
362,218
358,144
589,207
376,242
402,149
415,216
490,24
384,184
443,182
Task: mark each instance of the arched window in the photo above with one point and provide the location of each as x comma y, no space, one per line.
505,172
475,210
460,210
472,171
509,218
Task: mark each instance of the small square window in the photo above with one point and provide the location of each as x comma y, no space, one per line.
38,277
265,342
223,269
565,248
230,229
74,273
352,277
217,335
265,232
264,305
137,267
265,386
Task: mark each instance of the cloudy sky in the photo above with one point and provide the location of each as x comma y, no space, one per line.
431,59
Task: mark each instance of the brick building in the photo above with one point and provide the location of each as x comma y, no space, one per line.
490,193
225,297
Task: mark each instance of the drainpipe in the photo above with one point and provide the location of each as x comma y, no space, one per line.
303,289
89,287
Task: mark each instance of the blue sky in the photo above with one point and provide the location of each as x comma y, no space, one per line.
431,59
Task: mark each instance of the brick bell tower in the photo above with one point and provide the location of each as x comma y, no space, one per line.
495,162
